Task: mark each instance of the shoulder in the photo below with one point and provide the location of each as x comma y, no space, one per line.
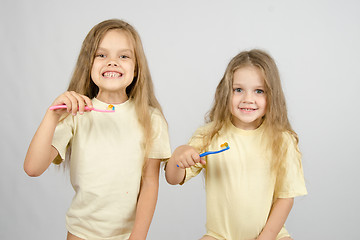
290,144
204,129
156,116
289,138
154,112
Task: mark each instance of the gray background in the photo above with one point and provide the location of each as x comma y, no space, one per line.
188,45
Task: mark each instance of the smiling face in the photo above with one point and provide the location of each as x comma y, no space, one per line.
114,66
248,102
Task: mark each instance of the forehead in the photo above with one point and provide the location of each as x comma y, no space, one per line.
249,75
116,39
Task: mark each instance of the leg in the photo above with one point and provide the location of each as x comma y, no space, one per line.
72,237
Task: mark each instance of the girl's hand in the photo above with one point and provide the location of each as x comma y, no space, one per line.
74,102
187,156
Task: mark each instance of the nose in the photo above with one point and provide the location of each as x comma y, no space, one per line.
112,63
248,98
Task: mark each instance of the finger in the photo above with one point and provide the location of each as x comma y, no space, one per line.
83,102
73,107
87,101
196,158
80,101
185,163
64,99
190,161
180,165
60,100
202,161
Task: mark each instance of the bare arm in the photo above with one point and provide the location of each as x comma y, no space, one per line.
41,153
147,200
183,157
278,215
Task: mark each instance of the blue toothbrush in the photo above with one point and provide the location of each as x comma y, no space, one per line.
224,146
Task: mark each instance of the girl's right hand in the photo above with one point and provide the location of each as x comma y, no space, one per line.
187,156
74,102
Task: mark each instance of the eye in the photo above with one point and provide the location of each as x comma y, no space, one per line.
124,56
100,55
259,91
237,90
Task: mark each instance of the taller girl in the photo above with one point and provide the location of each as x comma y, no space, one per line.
249,188
115,157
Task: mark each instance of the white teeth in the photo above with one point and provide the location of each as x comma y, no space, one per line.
112,74
247,109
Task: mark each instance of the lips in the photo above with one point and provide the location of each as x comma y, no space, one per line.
248,109
112,74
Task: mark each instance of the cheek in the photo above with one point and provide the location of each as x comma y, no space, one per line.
132,69
265,102
264,105
234,103
94,70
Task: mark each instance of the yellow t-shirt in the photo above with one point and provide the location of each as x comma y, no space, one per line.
107,156
239,185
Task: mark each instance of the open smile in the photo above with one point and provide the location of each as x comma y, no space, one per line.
111,74
248,110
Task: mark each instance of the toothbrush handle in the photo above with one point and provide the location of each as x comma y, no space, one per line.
86,108
205,154
213,152
64,106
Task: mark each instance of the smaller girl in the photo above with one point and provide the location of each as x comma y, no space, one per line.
249,188
114,157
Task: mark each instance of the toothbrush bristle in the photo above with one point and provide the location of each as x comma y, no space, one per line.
111,107
224,145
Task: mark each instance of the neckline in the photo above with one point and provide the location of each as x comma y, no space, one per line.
103,105
95,100
232,128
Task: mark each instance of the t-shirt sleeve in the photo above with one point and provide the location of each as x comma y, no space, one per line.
63,134
290,181
196,142
160,148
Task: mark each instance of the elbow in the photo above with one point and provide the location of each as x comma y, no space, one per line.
31,171
170,180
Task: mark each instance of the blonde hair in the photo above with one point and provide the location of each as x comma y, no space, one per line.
275,121
140,90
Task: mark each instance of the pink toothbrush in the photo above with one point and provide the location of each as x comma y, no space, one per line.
86,108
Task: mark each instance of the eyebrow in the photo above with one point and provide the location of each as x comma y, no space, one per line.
256,87
122,50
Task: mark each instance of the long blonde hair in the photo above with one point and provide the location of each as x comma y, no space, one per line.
275,121
140,90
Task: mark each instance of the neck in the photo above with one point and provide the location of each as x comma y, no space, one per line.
112,97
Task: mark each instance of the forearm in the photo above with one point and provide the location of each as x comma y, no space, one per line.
40,152
278,215
174,174
183,157
145,209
